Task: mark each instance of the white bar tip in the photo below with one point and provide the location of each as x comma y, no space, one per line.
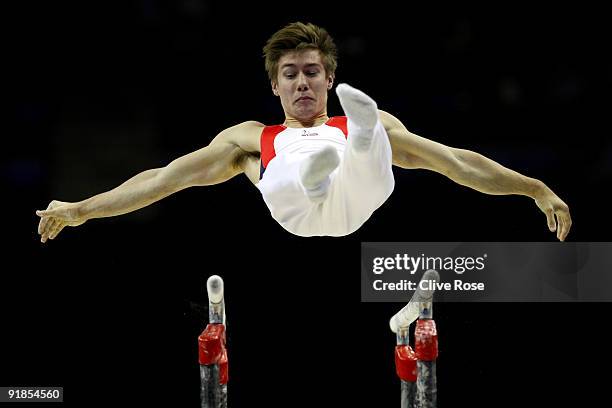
214,287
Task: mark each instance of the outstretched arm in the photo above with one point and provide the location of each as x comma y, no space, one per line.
219,161
473,170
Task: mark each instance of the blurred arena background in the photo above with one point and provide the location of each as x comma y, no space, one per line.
112,310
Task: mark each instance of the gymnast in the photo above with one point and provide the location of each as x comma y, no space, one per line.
318,175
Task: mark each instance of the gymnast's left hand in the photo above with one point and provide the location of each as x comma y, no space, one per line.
557,212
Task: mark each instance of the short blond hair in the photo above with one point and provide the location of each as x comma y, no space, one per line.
296,37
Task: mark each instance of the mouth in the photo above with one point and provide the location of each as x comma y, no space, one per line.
304,98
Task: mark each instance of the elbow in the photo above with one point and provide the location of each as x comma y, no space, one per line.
461,164
175,177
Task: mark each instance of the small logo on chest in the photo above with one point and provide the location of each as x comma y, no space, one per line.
308,133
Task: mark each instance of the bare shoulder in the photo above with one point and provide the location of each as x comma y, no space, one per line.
244,135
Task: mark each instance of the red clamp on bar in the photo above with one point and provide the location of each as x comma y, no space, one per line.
212,349
223,375
212,344
405,363
426,340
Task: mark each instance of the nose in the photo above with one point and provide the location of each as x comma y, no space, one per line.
302,82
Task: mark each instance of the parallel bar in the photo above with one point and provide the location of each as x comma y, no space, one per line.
409,392
417,370
426,385
212,351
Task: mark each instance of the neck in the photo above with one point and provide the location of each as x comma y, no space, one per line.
302,123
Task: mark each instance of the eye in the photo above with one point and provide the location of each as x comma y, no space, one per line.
312,73
289,75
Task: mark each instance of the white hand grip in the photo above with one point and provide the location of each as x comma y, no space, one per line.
410,312
214,287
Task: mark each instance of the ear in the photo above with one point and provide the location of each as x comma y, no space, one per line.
330,82
274,88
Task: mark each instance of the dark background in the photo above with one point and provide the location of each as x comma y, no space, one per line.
112,310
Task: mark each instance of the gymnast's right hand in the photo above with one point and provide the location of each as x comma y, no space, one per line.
58,215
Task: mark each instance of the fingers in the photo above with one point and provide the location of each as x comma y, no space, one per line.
565,221
43,228
568,225
46,213
559,221
42,224
49,225
550,218
49,228
557,215
60,226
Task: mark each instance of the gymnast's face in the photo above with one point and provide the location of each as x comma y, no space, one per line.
302,85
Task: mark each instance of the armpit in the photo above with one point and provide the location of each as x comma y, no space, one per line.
248,163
